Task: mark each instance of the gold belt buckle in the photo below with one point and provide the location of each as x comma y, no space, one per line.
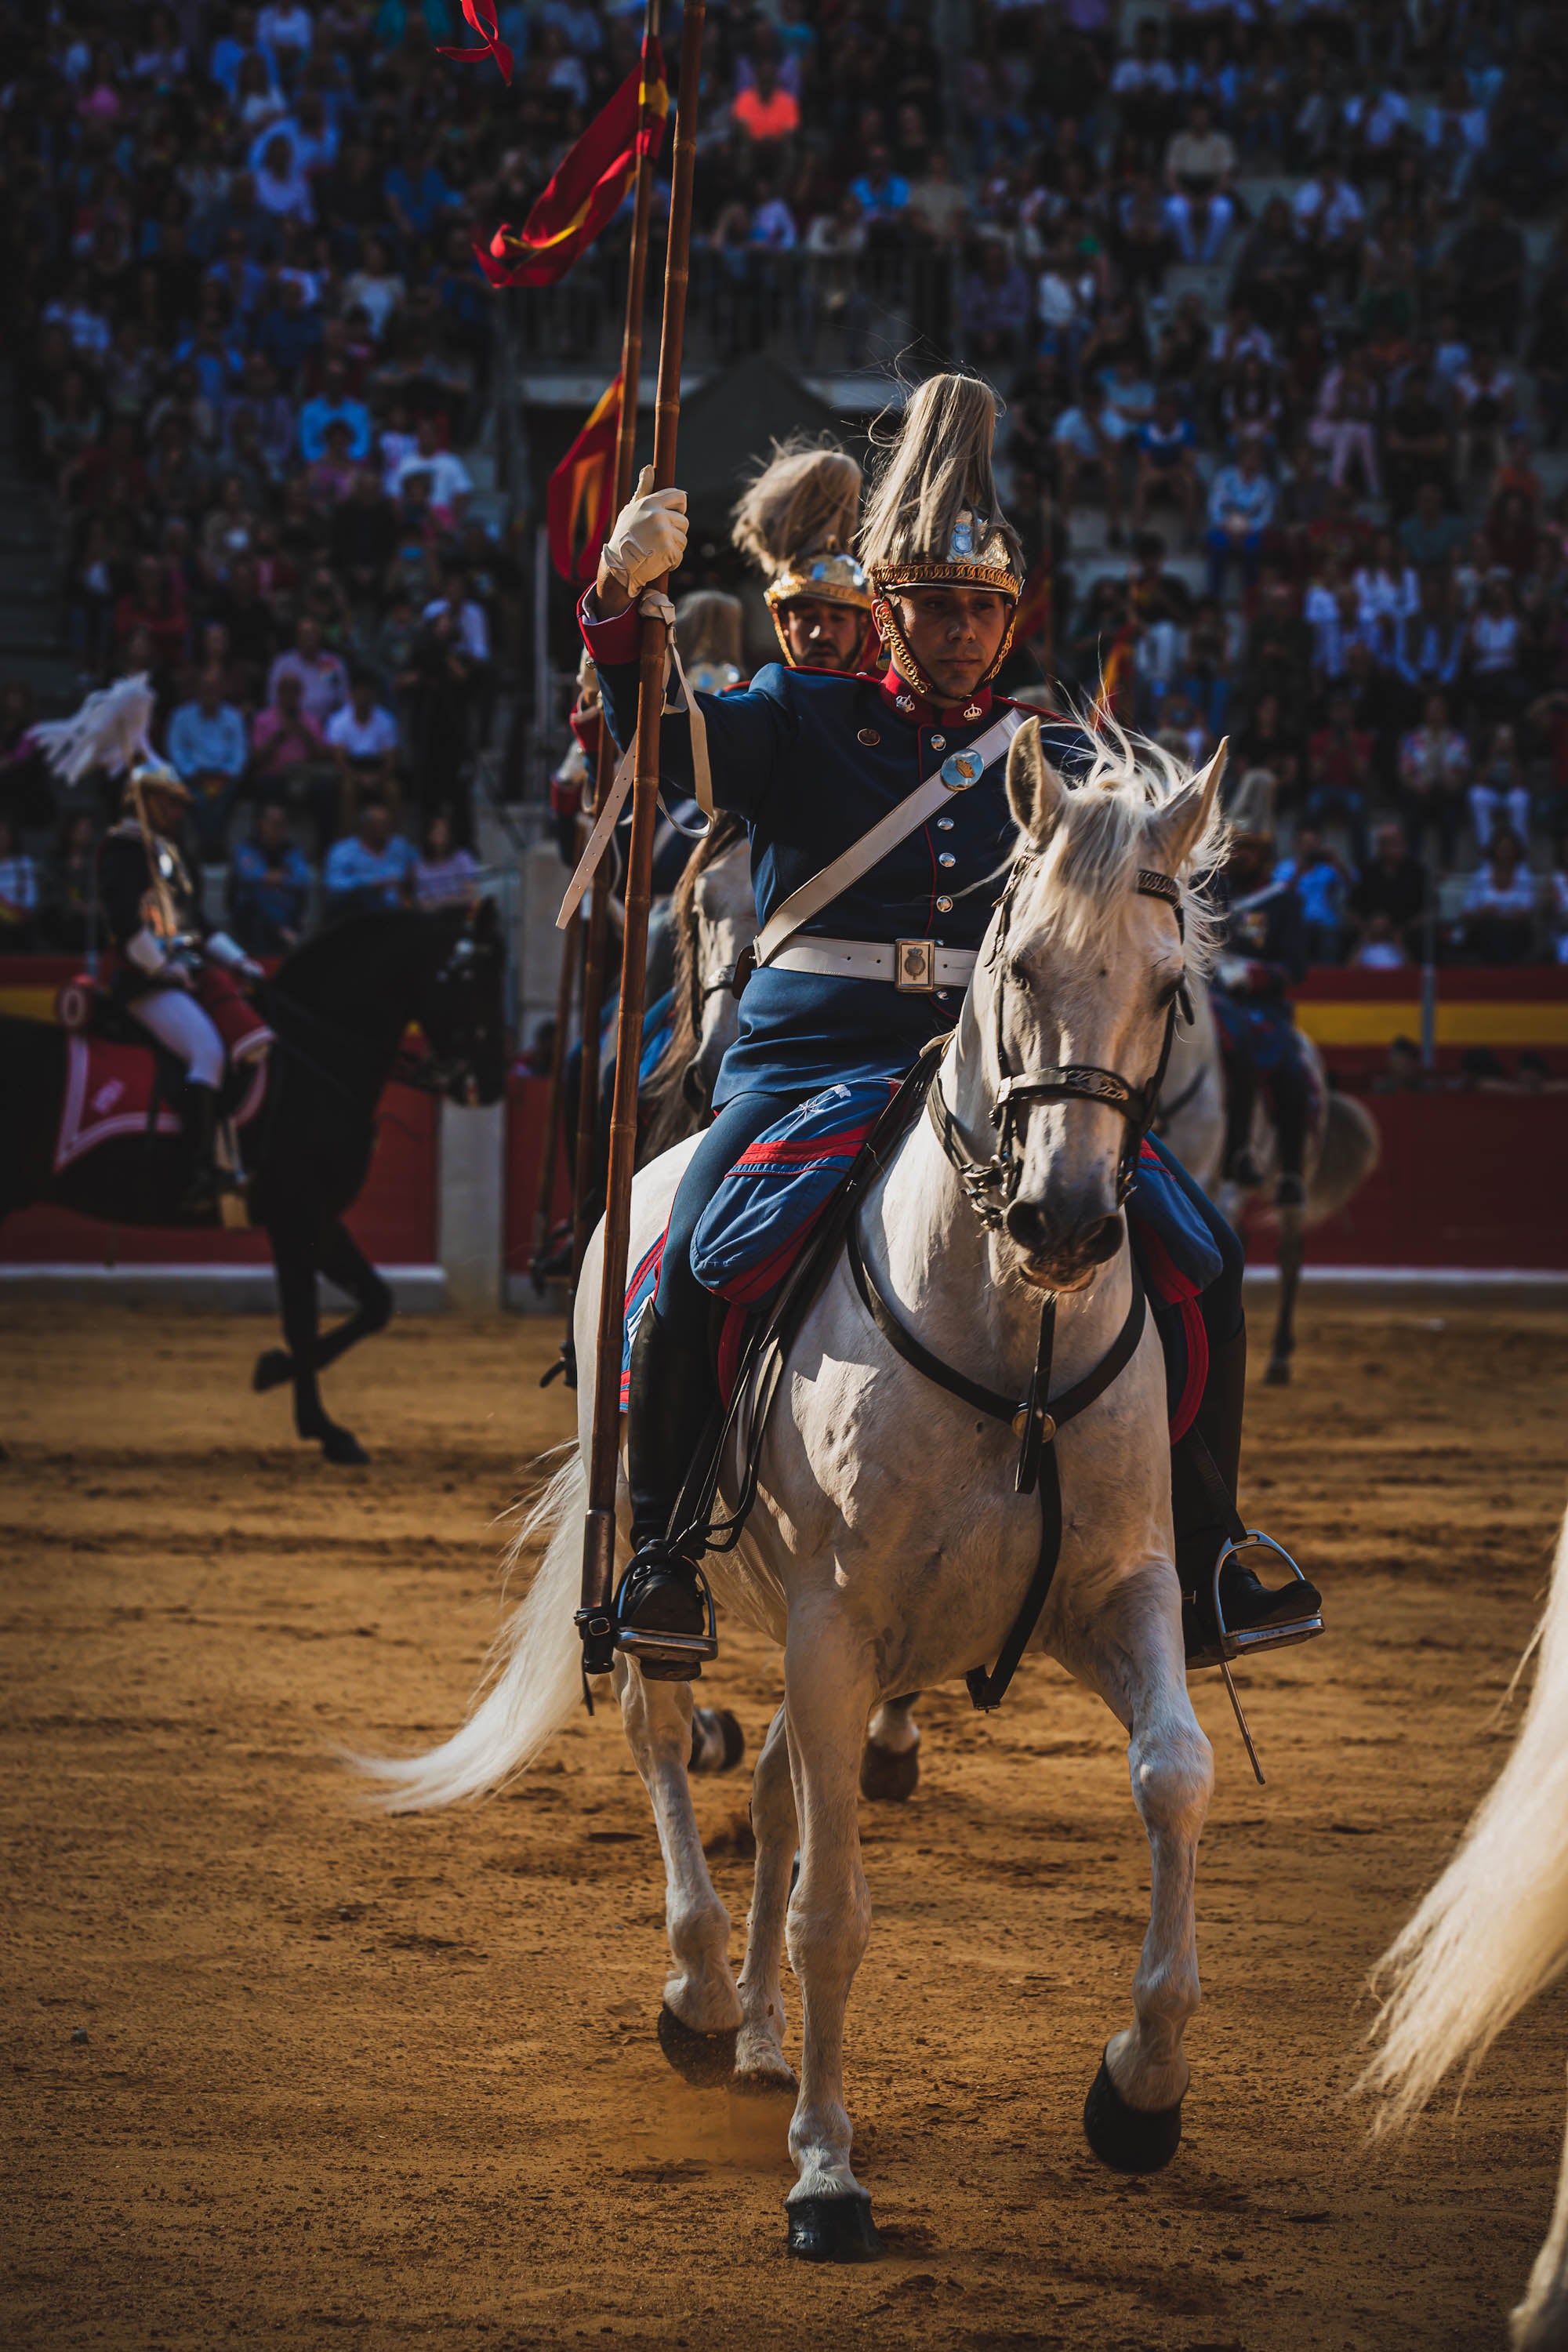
914,966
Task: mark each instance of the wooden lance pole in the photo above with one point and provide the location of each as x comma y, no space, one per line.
597,956
594,1618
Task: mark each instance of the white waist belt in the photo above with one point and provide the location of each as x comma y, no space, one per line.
914,966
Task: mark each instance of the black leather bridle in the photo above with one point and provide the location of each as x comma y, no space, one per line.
990,1186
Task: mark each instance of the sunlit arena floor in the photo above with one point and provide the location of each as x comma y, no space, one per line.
282,2073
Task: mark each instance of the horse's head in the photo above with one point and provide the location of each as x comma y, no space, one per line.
462,1006
1075,999
724,912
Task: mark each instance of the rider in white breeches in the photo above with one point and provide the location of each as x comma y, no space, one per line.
178,1022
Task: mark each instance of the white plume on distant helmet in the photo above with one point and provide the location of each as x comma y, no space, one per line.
111,731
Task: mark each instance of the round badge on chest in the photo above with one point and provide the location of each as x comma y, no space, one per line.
961,769
869,735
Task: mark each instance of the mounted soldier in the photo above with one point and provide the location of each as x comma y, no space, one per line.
796,524
1265,956
880,838
173,973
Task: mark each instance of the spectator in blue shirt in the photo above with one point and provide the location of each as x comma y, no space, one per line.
372,866
1166,466
1322,882
269,887
290,332
207,752
415,192
883,197
1241,508
332,405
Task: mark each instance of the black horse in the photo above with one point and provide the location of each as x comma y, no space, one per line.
340,1005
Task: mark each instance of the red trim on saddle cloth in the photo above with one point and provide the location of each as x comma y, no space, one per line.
108,1093
1174,1288
244,1032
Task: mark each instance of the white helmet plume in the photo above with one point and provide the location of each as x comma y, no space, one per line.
109,731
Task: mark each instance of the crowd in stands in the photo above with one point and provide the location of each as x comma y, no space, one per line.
1280,366
249,344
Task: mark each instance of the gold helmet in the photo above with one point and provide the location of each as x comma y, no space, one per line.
934,517
149,773
796,524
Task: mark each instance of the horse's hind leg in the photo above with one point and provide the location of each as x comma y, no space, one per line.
1291,1251
701,2013
1540,2322
827,1695
294,1254
342,1260
891,1760
760,2061
1133,1653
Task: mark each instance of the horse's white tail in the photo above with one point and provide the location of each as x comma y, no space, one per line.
1494,1930
534,1678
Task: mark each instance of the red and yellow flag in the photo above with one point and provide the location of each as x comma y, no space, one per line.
577,502
587,191
481,15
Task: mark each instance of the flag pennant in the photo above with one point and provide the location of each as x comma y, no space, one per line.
587,190
577,502
481,15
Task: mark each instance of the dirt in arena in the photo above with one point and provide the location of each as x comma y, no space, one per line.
279,2073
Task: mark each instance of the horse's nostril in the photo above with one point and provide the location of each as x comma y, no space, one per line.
1027,1225
1101,1240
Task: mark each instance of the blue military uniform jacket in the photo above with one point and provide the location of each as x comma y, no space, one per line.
810,760
1267,928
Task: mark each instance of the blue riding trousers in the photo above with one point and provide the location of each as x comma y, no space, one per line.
683,1308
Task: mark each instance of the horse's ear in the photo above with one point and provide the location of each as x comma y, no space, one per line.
1183,820
1034,788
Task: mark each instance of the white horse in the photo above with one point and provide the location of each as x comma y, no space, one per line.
890,1549
1343,1149
1492,1934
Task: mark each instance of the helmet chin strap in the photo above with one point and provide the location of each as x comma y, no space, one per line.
884,612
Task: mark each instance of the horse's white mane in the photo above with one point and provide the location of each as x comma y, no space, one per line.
1101,839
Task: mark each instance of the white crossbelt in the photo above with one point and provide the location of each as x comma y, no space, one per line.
913,965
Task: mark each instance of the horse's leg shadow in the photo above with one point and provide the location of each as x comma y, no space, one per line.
297,1257
701,2013
1131,1653
890,1759
760,2066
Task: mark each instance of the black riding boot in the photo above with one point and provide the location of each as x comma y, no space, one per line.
670,1397
198,1132
1201,1528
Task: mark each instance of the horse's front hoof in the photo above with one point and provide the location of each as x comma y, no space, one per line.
834,2230
274,1366
888,1776
1277,1375
700,2058
1129,2139
718,1742
341,1446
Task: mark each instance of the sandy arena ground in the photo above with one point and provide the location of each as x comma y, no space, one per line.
279,2074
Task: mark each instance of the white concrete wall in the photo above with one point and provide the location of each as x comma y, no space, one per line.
471,1206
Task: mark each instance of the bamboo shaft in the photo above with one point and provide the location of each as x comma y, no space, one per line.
598,1541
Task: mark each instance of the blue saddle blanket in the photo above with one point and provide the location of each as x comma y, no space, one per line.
763,1211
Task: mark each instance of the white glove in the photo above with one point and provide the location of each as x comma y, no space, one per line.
648,536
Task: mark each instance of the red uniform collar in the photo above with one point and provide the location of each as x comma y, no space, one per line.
911,705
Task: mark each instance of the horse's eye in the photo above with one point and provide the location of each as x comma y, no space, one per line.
1018,972
1165,996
